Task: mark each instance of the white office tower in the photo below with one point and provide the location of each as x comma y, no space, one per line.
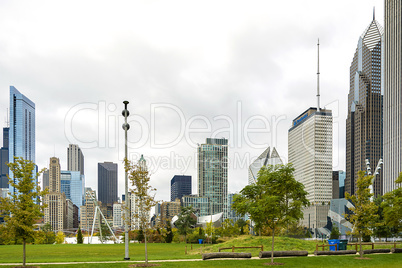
265,159
392,94
310,152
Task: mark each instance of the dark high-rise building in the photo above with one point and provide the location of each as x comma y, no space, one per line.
107,182
364,126
21,141
180,185
392,94
4,159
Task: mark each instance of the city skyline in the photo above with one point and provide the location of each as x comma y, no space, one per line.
259,62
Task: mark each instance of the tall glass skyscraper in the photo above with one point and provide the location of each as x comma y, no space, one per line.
392,94
22,128
213,174
73,186
364,122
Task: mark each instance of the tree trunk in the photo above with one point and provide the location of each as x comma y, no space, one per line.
146,250
24,253
360,243
272,252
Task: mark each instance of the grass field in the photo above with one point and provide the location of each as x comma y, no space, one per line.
156,251
378,260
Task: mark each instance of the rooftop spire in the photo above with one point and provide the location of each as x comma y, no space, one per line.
374,13
318,75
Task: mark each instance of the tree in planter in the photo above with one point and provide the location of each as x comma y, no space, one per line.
80,239
23,207
275,200
185,221
144,195
364,211
392,206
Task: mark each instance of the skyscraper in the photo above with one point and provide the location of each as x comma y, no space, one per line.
4,159
75,158
180,185
392,94
364,121
107,183
310,152
22,128
213,173
73,186
55,211
266,158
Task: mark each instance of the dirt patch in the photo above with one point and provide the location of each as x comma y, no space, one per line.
273,263
362,258
144,265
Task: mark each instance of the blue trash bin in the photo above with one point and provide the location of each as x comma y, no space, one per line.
200,241
333,242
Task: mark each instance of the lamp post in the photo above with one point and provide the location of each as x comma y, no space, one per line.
126,127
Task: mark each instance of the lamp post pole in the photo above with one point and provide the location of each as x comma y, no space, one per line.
126,127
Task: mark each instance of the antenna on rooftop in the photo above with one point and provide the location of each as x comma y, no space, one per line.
318,76
7,119
373,13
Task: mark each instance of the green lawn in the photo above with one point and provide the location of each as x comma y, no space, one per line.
378,260
156,251
95,252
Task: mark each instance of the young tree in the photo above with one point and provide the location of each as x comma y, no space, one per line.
364,211
392,206
169,232
60,237
23,208
185,221
275,200
241,223
145,194
380,228
49,234
80,239
334,233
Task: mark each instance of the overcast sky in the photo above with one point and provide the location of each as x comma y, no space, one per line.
242,70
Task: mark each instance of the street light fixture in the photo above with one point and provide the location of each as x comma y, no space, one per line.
126,127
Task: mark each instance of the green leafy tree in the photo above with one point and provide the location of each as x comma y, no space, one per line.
392,206
334,233
380,228
364,211
145,195
60,237
276,199
106,234
185,221
241,223
23,208
50,236
80,239
169,232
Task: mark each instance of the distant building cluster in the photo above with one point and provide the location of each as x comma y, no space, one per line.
373,136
